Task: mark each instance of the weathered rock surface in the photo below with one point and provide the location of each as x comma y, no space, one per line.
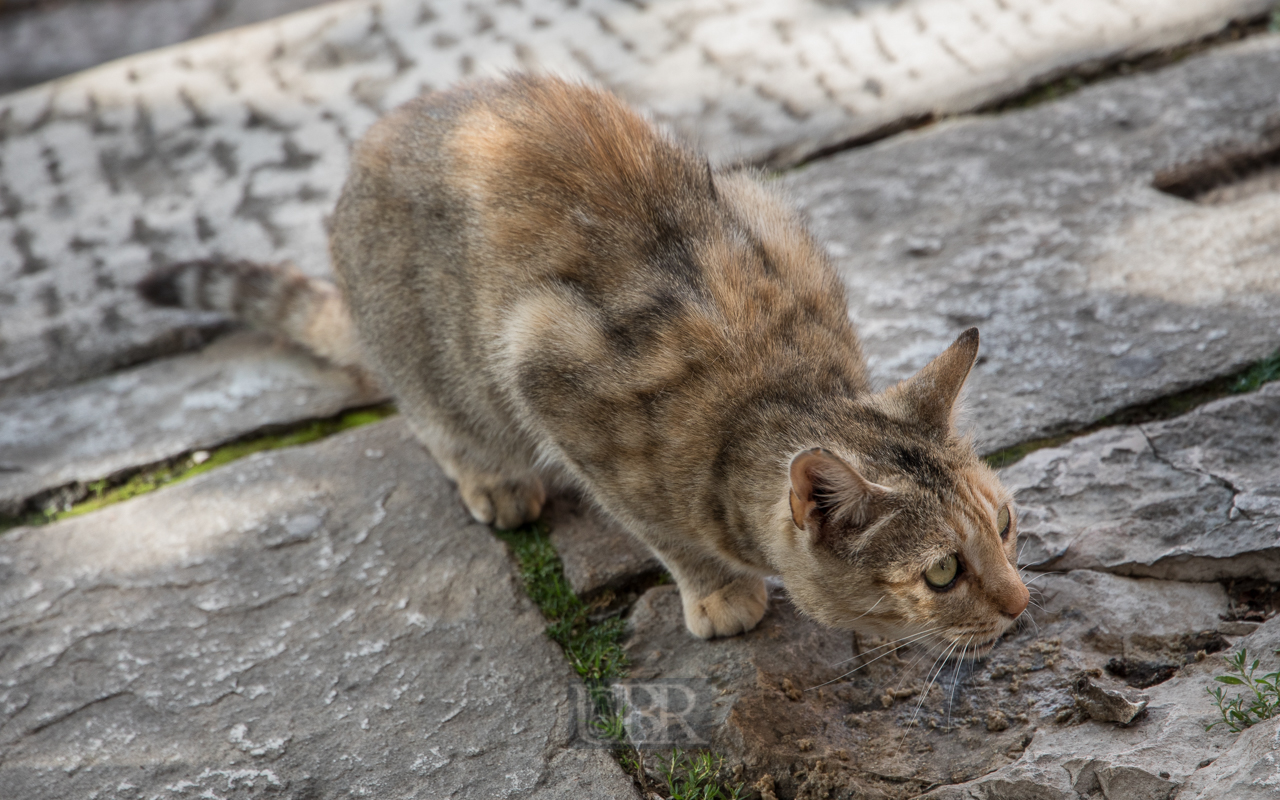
1115,615
164,409
596,552
1093,289
1193,498
1250,770
1157,758
796,702
236,145
318,622
49,40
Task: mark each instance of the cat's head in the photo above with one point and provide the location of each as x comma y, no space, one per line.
900,529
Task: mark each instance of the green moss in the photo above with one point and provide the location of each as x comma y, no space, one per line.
102,493
1249,379
1263,372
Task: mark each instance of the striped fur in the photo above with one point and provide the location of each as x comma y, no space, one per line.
555,291
278,299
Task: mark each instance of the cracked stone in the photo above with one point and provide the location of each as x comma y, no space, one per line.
1093,289
312,622
790,694
1249,770
1105,705
1164,754
1192,498
596,552
161,410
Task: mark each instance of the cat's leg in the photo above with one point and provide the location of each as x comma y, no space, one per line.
498,486
716,602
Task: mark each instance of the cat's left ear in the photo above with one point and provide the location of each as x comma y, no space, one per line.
829,497
930,395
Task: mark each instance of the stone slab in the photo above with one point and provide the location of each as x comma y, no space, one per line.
796,703
1161,756
1250,770
50,40
1193,498
1108,611
318,622
596,552
162,410
235,145
1093,290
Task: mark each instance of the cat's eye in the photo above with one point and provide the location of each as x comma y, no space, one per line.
943,572
1003,521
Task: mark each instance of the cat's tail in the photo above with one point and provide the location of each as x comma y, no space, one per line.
276,298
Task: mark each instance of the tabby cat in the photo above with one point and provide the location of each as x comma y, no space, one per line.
556,292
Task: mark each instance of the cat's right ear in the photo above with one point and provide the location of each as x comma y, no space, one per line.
930,395
829,496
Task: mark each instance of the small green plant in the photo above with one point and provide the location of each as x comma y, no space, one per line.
697,777
1274,24
1242,710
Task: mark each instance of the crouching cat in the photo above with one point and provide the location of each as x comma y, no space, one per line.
553,290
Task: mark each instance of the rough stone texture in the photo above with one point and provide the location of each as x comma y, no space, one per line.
53,39
1250,770
318,622
236,144
1159,757
597,553
1110,611
1193,498
162,410
1093,290
795,702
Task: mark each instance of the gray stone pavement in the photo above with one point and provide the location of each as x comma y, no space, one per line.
1196,498
1169,754
42,41
317,622
325,621
236,144
103,426
1093,289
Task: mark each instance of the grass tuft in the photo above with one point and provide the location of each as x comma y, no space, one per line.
697,777
594,648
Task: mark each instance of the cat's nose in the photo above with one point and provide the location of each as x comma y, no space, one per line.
1014,601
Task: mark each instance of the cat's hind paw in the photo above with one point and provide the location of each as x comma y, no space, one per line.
732,609
501,502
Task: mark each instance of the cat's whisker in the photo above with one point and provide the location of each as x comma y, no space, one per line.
940,663
1031,619
1040,575
929,650
915,637
889,644
956,679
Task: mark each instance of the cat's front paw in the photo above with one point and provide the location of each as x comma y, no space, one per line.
729,610
502,502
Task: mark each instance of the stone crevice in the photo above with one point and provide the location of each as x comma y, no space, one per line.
1232,513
